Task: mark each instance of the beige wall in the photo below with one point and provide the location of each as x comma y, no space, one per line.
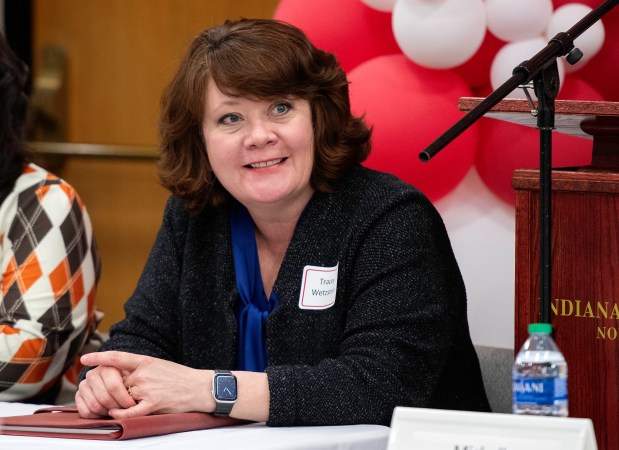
121,54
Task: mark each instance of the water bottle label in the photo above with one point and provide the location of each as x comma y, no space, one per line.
543,391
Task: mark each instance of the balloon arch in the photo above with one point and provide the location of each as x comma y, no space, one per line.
408,61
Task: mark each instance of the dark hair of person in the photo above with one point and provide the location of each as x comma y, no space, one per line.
257,59
13,113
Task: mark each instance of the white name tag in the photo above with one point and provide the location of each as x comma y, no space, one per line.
318,287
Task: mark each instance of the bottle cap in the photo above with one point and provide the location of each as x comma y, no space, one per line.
543,328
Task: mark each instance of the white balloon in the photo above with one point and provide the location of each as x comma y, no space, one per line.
589,43
439,34
512,55
517,20
380,5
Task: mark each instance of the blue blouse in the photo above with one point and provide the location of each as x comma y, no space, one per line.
253,307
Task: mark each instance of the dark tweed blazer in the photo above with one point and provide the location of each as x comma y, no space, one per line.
397,334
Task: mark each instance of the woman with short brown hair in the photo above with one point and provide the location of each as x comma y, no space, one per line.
287,284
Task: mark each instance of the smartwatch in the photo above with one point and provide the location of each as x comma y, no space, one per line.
224,392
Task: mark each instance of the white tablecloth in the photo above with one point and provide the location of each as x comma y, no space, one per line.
255,437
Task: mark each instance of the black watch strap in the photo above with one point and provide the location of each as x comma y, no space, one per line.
223,407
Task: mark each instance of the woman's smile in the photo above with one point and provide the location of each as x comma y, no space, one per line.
263,164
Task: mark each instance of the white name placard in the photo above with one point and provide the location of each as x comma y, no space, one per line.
434,429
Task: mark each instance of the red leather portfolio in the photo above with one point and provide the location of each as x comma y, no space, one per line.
65,422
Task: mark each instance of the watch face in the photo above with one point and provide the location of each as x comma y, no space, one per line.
225,387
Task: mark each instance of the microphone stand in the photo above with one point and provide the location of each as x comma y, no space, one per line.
542,69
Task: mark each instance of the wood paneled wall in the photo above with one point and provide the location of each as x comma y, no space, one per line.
121,54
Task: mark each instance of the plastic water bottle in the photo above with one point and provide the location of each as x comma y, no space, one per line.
539,375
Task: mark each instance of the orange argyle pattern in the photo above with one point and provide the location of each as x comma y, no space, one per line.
50,268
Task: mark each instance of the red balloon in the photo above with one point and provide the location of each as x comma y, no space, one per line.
602,71
590,3
505,147
409,106
351,30
575,88
476,71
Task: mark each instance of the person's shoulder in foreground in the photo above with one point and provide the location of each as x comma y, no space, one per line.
50,268
48,259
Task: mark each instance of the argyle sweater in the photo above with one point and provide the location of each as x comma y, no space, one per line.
50,268
393,331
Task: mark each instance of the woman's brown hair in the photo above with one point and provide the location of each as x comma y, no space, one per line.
256,58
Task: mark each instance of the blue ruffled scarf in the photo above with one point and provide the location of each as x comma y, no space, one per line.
253,308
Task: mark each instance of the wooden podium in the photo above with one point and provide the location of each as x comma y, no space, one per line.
585,258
